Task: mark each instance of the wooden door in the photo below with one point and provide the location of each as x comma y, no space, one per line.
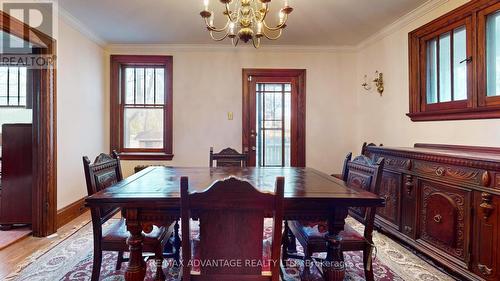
274,117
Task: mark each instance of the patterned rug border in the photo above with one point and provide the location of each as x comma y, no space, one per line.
402,261
38,254
408,266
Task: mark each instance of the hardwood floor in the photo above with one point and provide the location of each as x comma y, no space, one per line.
13,255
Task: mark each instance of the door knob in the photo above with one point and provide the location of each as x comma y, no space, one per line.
254,148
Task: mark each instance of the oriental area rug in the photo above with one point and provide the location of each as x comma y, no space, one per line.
71,259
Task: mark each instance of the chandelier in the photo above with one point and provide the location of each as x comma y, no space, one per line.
246,21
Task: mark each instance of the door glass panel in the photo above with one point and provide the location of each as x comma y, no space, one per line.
432,76
493,54
459,64
273,105
445,67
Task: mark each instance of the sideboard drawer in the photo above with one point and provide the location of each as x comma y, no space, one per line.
467,175
444,220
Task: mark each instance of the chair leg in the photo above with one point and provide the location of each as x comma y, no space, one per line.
119,260
96,267
177,244
292,242
368,263
285,241
159,276
308,261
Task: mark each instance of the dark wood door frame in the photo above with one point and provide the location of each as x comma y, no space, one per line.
298,152
44,127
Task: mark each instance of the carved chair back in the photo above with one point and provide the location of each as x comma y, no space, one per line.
231,214
228,157
104,172
366,174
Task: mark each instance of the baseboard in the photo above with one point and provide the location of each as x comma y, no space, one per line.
71,212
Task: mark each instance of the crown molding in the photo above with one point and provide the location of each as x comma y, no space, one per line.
79,26
402,22
114,48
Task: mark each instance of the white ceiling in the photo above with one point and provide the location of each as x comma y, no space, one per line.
313,22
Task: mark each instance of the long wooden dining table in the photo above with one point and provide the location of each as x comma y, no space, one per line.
152,197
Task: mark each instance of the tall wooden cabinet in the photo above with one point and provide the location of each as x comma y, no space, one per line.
17,175
444,201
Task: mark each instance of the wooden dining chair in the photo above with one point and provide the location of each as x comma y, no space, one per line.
361,173
228,157
231,213
104,172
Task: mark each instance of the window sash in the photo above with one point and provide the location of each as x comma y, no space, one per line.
450,102
140,88
13,87
486,100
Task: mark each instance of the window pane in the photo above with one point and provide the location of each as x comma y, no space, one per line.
13,86
22,86
288,130
129,85
150,86
459,65
445,67
272,106
139,85
493,54
160,86
273,150
432,77
3,86
143,128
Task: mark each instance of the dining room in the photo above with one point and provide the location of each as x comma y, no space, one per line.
235,140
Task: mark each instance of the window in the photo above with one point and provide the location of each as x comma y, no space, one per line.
13,87
141,107
455,66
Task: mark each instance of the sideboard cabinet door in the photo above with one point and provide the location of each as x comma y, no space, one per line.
486,235
390,189
444,220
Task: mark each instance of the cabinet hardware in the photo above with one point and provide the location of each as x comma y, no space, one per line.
440,171
438,218
484,269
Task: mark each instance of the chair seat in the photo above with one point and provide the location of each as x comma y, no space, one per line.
316,231
117,234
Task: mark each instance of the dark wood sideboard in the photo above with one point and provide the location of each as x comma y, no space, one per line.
444,201
17,175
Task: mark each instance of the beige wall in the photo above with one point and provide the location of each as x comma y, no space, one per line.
80,110
208,85
383,120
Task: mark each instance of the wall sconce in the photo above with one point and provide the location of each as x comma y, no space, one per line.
379,82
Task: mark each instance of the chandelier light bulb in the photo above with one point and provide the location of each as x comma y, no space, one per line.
282,17
206,4
231,28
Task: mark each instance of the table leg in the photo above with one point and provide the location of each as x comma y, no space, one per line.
136,270
334,266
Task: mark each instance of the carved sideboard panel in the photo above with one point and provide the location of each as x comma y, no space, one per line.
390,190
443,218
444,201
